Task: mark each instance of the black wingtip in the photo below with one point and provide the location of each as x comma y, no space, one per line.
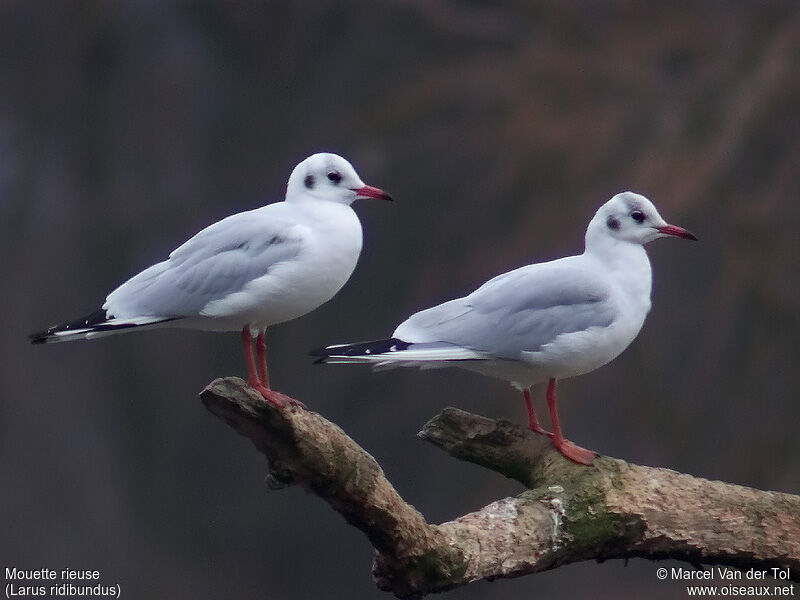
98,317
320,354
359,349
38,338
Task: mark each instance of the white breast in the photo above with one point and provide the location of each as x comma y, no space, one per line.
331,243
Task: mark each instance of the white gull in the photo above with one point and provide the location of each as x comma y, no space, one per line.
248,271
541,322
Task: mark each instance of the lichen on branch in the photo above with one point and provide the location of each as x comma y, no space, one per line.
570,513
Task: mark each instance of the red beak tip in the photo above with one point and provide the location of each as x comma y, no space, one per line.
369,191
676,231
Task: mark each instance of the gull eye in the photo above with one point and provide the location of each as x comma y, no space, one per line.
309,181
638,216
334,176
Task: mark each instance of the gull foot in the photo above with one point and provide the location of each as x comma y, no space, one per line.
538,429
574,452
276,398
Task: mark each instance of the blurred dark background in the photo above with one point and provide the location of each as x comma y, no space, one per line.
125,127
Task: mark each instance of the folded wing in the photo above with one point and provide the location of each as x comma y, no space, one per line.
519,311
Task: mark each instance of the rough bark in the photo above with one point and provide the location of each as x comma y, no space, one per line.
569,513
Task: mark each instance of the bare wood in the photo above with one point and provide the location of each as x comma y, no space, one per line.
305,449
617,510
569,513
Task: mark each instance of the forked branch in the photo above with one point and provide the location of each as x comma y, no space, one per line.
569,513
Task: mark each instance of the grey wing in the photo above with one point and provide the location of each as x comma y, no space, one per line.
217,262
520,311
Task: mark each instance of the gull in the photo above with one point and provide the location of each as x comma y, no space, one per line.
248,271
541,322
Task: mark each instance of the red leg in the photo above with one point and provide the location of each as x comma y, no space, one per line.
247,342
261,347
533,422
253,376
567,448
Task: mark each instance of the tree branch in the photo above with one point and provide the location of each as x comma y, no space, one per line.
569,513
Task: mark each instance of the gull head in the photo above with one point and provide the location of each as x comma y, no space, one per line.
630,217
329,177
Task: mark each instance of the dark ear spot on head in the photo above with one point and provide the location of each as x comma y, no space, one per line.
309,181
612,223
